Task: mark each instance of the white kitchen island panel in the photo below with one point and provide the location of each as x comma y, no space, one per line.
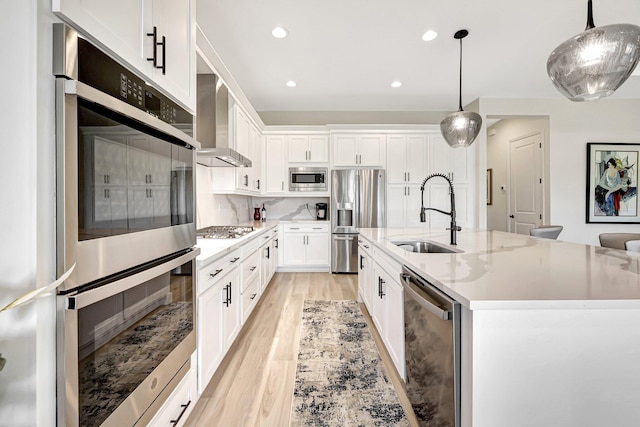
561,367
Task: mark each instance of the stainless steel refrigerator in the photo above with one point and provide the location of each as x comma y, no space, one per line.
358,198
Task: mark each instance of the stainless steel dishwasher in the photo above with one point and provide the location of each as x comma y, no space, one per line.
432,352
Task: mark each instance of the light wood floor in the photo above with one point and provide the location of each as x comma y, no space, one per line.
254,384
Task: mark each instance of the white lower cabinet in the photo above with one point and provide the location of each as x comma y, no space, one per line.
250,297
365,267
388,310
305,245
219,315
176,409
269,253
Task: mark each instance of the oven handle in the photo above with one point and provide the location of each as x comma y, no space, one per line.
74,87
89,297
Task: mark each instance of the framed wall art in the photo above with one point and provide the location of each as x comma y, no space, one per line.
612,183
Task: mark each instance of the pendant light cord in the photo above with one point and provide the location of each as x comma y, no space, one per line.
460,91
590,23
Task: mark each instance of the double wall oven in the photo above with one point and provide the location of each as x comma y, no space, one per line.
125,223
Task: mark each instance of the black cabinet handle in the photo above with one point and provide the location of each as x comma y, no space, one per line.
164,55
184,409
268,251
276,243
361,260
156,43
154,34
230,293
382,282
234,260
253,268
511,216
253,296
226,296
216,273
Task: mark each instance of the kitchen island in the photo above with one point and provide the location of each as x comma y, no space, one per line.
550,329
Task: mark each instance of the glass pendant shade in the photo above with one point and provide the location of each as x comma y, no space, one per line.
596,62
461,128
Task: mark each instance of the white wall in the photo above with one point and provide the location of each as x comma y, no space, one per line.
571,126
498,137
27,334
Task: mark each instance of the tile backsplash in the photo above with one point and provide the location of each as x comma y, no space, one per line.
231,209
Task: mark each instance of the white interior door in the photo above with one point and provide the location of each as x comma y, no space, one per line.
525,176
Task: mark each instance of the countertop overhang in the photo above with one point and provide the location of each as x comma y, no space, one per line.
499,270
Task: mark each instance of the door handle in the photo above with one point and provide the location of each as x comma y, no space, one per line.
511,216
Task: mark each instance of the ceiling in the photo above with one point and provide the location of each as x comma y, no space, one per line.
344,54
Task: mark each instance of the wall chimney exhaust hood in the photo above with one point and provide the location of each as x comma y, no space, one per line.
212,125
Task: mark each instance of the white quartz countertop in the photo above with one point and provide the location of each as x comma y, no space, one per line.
499,270
212,249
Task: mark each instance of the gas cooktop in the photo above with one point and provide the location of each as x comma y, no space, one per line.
223,232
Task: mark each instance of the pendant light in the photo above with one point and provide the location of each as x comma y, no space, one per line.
594,63
461,128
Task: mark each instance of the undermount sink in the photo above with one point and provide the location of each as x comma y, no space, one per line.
424,247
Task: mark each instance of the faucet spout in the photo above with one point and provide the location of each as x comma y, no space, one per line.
423,217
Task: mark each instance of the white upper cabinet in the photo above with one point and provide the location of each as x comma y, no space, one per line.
275,150
406,158
457,163
367,150
308,149
126,28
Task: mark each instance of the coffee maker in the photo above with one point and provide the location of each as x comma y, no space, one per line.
321,211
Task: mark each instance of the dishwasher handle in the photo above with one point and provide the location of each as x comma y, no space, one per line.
442,314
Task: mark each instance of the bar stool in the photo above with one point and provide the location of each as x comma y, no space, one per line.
546,231
632,245
617,240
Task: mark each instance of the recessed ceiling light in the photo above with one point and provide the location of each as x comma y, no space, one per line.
396,84
279,32
429,35
291,83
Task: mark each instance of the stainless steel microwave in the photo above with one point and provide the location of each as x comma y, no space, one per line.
308,179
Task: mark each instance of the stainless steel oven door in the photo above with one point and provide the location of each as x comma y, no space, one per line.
122,344
125,185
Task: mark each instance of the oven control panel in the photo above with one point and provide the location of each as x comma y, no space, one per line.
104,73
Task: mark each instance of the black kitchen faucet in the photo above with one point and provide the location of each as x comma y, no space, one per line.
423,217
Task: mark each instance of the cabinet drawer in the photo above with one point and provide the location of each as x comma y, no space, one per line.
306,228
390,265
365,245
250,268
176,409
211,273
250,298
251,246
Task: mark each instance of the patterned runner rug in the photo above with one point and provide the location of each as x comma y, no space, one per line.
340,378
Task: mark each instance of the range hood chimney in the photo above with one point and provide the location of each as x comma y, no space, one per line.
212,125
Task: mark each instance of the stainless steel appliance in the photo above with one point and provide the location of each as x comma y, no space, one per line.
125,202
358,198
212,125
125,162
308,179
321,211
432,352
